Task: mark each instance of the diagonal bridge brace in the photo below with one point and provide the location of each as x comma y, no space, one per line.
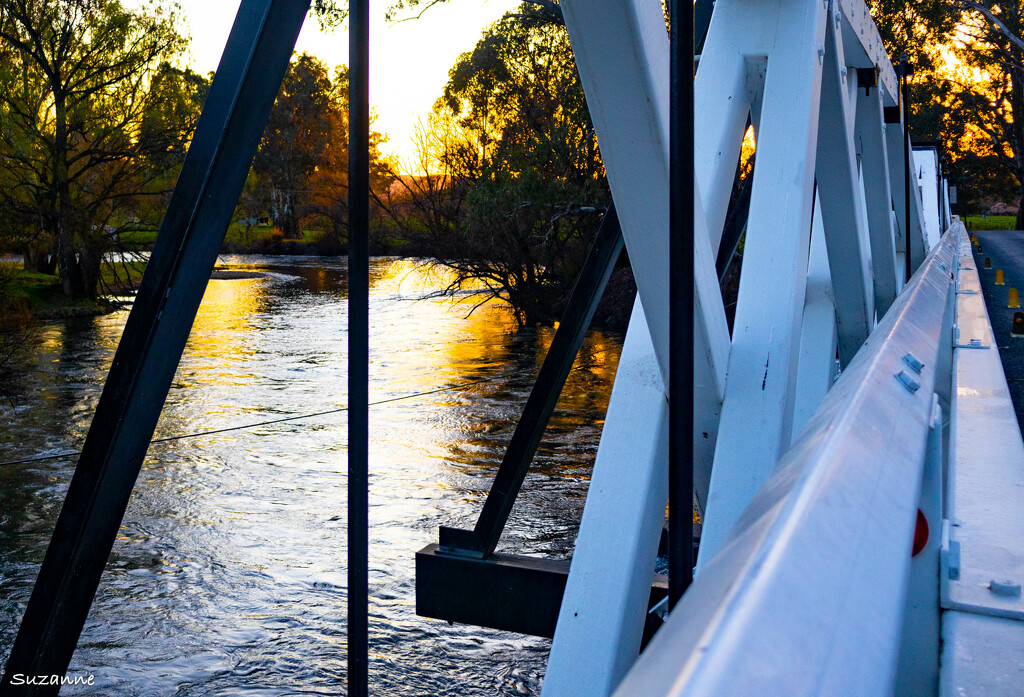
579,311
225,141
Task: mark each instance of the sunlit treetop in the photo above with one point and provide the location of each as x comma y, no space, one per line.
329,13
401,10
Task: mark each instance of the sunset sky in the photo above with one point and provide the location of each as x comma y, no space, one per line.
409,61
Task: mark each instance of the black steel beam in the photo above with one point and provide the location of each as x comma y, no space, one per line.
204,199
681,301
735,224
358,348
579,311
702,12
903,70
505,591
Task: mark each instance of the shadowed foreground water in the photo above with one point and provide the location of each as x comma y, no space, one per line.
228,577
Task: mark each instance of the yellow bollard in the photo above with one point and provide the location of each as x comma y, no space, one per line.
1018,324
999,278
988,263
1014,298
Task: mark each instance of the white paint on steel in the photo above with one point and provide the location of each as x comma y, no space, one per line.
818,332
948,216
926,176
849,250
865,48
983,632
621,50
609,582
877,197
918,667
763,58
720,117
757,412
895,142
806,595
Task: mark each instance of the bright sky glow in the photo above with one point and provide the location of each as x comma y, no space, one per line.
409,61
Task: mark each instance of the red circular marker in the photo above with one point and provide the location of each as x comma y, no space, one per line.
920,533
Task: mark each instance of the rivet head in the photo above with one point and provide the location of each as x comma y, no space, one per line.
908,382
914,364
1008,589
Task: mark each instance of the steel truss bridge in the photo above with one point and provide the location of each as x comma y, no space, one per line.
862,535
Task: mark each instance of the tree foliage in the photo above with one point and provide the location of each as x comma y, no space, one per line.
510,183
301,168
990,94
90,124
962,93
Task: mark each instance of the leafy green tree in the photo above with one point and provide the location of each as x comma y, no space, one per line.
297,133
511,184
302,163
964,90
76,80
991,99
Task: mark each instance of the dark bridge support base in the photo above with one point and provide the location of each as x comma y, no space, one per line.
504,591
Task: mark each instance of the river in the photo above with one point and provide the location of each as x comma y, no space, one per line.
228,576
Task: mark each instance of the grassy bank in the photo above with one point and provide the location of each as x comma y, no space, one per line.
256,239
385,240
993,222
41,296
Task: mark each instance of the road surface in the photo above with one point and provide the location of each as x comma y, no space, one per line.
1005,249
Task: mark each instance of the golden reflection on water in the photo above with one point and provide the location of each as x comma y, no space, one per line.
249,525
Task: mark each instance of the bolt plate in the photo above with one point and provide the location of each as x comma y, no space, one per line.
980,564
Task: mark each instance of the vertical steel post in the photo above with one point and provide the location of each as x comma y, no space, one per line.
358,347
905,110
681,279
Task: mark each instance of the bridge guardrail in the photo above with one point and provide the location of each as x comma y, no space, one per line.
807,595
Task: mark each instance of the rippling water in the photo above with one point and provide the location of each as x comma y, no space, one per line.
228,576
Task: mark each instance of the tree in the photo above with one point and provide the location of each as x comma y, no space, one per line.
967,69
75,85
303,158
297,133
990,47
511,186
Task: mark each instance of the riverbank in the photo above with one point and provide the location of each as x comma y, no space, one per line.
40,296
261,239
29,296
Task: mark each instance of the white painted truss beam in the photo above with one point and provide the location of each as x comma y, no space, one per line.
757,413
849,252
865,49
621,50
807,595
895,142
601,620
870,137
726,83
762,59
818,339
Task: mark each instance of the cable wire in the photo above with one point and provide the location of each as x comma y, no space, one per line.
167,439
298,417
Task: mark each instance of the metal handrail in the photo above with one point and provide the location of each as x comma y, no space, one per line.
806,597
